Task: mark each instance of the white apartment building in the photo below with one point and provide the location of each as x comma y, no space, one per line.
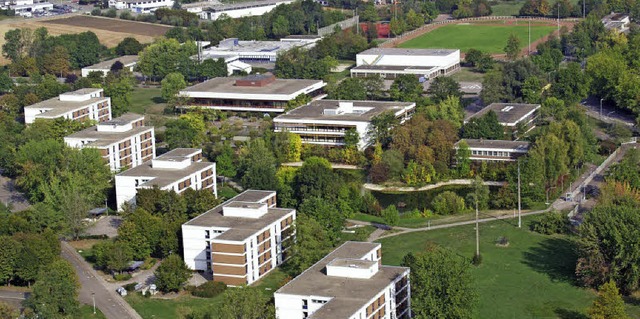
140,6
175,170
253,93
124,142
391,62
325,122
240,240
80,105
494,150
349,283
128,61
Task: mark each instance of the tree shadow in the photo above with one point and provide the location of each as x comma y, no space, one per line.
631,300
555,257
569,314
158,100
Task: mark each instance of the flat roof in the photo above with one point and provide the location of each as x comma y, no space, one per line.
402,51
392,67
255,46
104,139
61,107
508,113
226,85
240,228
351,263
123,119
166,176
348,294
180,152
315,110
496,144
125,59
244,5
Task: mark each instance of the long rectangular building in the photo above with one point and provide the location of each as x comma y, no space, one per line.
494,150
240,240
254,93
124,142
80,105
389,63
128,62
349,283
176,170
325,122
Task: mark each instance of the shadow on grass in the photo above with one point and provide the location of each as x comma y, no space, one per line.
157,99
569,314
631,300
555,257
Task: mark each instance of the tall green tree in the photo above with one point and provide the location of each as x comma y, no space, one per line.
316,179
259,166
172,274
441,284
167,56
350,89
444,87
609,304
118,85
171,85
406,87
512,49
129,46
55,292
312,243
246,303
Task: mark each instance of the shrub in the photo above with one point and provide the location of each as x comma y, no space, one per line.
148,263
130,287
96,12
126,15
551,223
390,215
209,289
448,203
111,13
122,277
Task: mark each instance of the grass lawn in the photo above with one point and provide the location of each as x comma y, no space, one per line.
488,38
466,74
531,278
86,312
146,100
512,8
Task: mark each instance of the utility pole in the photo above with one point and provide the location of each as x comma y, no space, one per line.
529,46
93,296
519,201
477,230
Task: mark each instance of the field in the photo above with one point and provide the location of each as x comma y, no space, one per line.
531,278
490,38
512,8
109,31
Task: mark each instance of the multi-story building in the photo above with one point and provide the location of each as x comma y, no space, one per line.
80,105
240,240
254,93
140,6
176,170
325,122
124,142
494,150
510,115
208,10
389,63
128,62
256,51
349,283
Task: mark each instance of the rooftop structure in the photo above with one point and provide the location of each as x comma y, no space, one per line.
350,282
325,122
175,170
128,61
494,150
617,21
392,62
510,114
240,240
232,60
256,51
80,105
258,92
209,11
140,6
123,142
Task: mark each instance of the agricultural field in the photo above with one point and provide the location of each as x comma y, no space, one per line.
532,277
113,25
490,38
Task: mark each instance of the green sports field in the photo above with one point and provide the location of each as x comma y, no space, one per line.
487,38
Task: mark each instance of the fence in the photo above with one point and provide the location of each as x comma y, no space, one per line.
348,23
394,41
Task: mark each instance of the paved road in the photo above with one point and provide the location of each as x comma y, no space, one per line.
108,301
10,196
13,298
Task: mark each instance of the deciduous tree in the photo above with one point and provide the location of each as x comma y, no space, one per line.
172,274
609,304
512,49
55,292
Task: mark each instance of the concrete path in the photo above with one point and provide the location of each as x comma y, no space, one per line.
333,165
92,285
382,188
13,298
11,197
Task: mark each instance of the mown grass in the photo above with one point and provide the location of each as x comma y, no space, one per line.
487,38
533,277
146,100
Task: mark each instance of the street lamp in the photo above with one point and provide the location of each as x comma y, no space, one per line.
93,297
601,108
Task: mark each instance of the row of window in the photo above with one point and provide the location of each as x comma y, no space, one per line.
491,153
184,184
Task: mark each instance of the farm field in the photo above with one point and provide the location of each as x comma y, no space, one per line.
533,277
488,38
113,25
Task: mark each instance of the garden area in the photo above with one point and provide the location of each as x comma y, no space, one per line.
490,38
544,264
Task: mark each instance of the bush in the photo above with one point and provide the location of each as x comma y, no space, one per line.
148,263
448,203
130,287
209,289
126,15
96,12
551,223
122,277
390,215
111,13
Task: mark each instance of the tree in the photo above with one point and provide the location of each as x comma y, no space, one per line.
535,8
472,57
397,26
8,312
493,89
484,127
444,87
246,303
312,243
326,213
225,162
55,292
608,304
447,109
172,274
463,161
448,203
479,194
280,27
259,166
572,84
166,56
210,68
441,284
119,86
184,133
605,70
57,62
316,179
407,88
390,215
513,47
414,20
129,46
171,85
113,256
381,124
350,89
8,258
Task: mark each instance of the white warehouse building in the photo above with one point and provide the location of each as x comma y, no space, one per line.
391,62
209,11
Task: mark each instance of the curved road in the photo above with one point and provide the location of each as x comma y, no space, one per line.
108,301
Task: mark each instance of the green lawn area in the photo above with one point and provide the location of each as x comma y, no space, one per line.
488,38
466,74
86,312
512,8
531,278
146,100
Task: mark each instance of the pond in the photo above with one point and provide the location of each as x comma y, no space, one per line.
419,200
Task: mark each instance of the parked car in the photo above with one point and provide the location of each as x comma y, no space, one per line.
121,291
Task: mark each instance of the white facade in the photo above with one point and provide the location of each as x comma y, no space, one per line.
249,222
123,142
27,8
80,105
246,9
390,62
347,284
128,61
176,171
140,6
255,51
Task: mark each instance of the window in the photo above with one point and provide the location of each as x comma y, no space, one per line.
207,234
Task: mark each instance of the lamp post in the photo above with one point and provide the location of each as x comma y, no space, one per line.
93,297
519,206
601,108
